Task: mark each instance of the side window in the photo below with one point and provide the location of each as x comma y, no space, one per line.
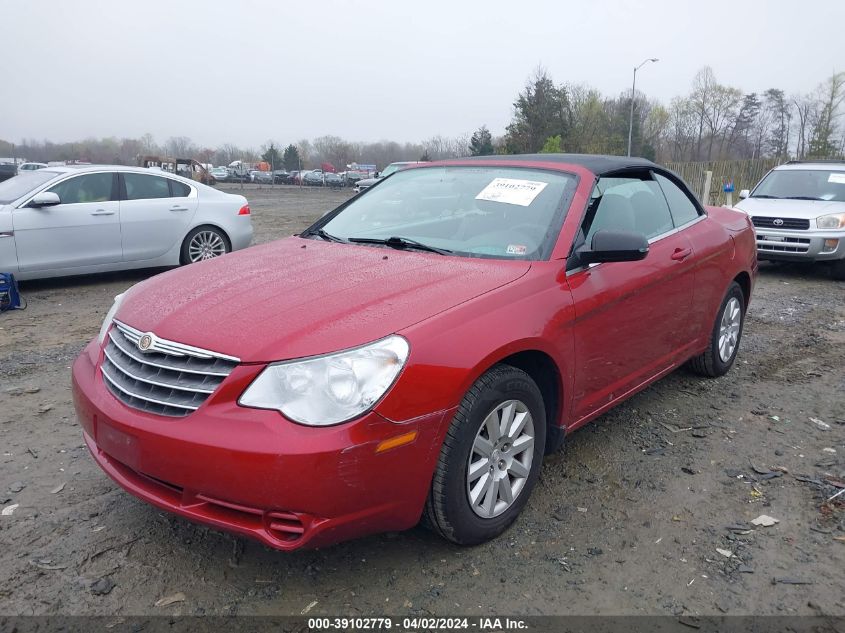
179,189
144,187
627,204
87,188
683,209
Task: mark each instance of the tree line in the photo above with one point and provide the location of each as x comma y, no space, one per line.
713,121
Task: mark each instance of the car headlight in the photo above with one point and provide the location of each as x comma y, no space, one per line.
832,221
329,389
104,328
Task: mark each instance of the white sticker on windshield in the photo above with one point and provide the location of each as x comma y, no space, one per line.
512,191
839,178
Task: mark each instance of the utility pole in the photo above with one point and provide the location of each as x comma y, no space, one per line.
633,96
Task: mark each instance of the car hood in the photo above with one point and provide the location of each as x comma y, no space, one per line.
296,297
367,182
781,208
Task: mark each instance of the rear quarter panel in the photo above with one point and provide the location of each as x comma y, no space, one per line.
724,247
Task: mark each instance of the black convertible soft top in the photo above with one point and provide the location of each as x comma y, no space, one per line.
596,163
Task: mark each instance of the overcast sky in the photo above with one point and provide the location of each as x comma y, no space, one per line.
245,71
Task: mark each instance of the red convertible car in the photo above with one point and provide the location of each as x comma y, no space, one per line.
415,352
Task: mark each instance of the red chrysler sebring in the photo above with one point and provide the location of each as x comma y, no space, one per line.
414,353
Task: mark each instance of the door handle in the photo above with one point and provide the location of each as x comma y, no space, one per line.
681,254
178,208
102,212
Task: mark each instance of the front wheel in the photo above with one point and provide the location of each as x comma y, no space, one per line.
725,337
490,459
204,242
838,270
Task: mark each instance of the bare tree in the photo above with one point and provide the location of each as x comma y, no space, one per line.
831,95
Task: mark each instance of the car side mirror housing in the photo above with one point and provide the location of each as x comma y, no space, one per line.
376,174
615,246
45,199
744,194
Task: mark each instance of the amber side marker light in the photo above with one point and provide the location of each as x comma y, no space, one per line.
399,440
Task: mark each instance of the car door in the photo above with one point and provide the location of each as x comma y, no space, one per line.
8,256
155,212
630,316
82,230
708,245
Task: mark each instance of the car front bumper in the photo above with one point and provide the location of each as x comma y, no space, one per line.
775,244
254,473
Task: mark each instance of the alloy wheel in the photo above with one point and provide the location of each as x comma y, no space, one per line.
206,245
729,329
500,459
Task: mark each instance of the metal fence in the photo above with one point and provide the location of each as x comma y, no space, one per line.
744,174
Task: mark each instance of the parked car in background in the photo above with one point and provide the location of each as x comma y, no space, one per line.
280,177
366,183
350,178
331,179
798,212
31,166
8,170
220,174
313,178
74,220
262,177
442,332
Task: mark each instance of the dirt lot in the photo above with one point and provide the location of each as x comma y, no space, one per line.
628,518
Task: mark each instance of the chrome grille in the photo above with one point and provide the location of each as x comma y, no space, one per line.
780,223
167,378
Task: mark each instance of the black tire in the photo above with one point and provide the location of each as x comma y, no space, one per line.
837,270
710,363
185,257
448,511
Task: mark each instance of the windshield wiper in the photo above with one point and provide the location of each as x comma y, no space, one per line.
763,195
326,236
801,198
400,242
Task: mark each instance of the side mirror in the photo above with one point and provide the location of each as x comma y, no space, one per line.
45,199
376,174
744,194
615,246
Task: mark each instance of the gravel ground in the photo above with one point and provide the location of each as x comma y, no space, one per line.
629,518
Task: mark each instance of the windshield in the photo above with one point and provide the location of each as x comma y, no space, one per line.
22,184
803,184
507,213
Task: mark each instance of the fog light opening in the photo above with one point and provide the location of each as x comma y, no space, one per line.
830,246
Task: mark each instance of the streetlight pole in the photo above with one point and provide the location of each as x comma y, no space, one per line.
633,95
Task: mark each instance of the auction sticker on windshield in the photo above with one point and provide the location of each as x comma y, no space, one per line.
512,191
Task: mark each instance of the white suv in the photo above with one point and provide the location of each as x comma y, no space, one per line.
798,212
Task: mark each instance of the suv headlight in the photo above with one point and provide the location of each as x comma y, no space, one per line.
329,389
104,328
832,221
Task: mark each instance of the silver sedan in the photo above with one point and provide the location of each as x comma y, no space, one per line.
94,218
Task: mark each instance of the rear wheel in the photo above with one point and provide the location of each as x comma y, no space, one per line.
204,242
725,337
490,459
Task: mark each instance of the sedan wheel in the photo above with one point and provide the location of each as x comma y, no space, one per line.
729,329
725,336
501,459
490,458
204,243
